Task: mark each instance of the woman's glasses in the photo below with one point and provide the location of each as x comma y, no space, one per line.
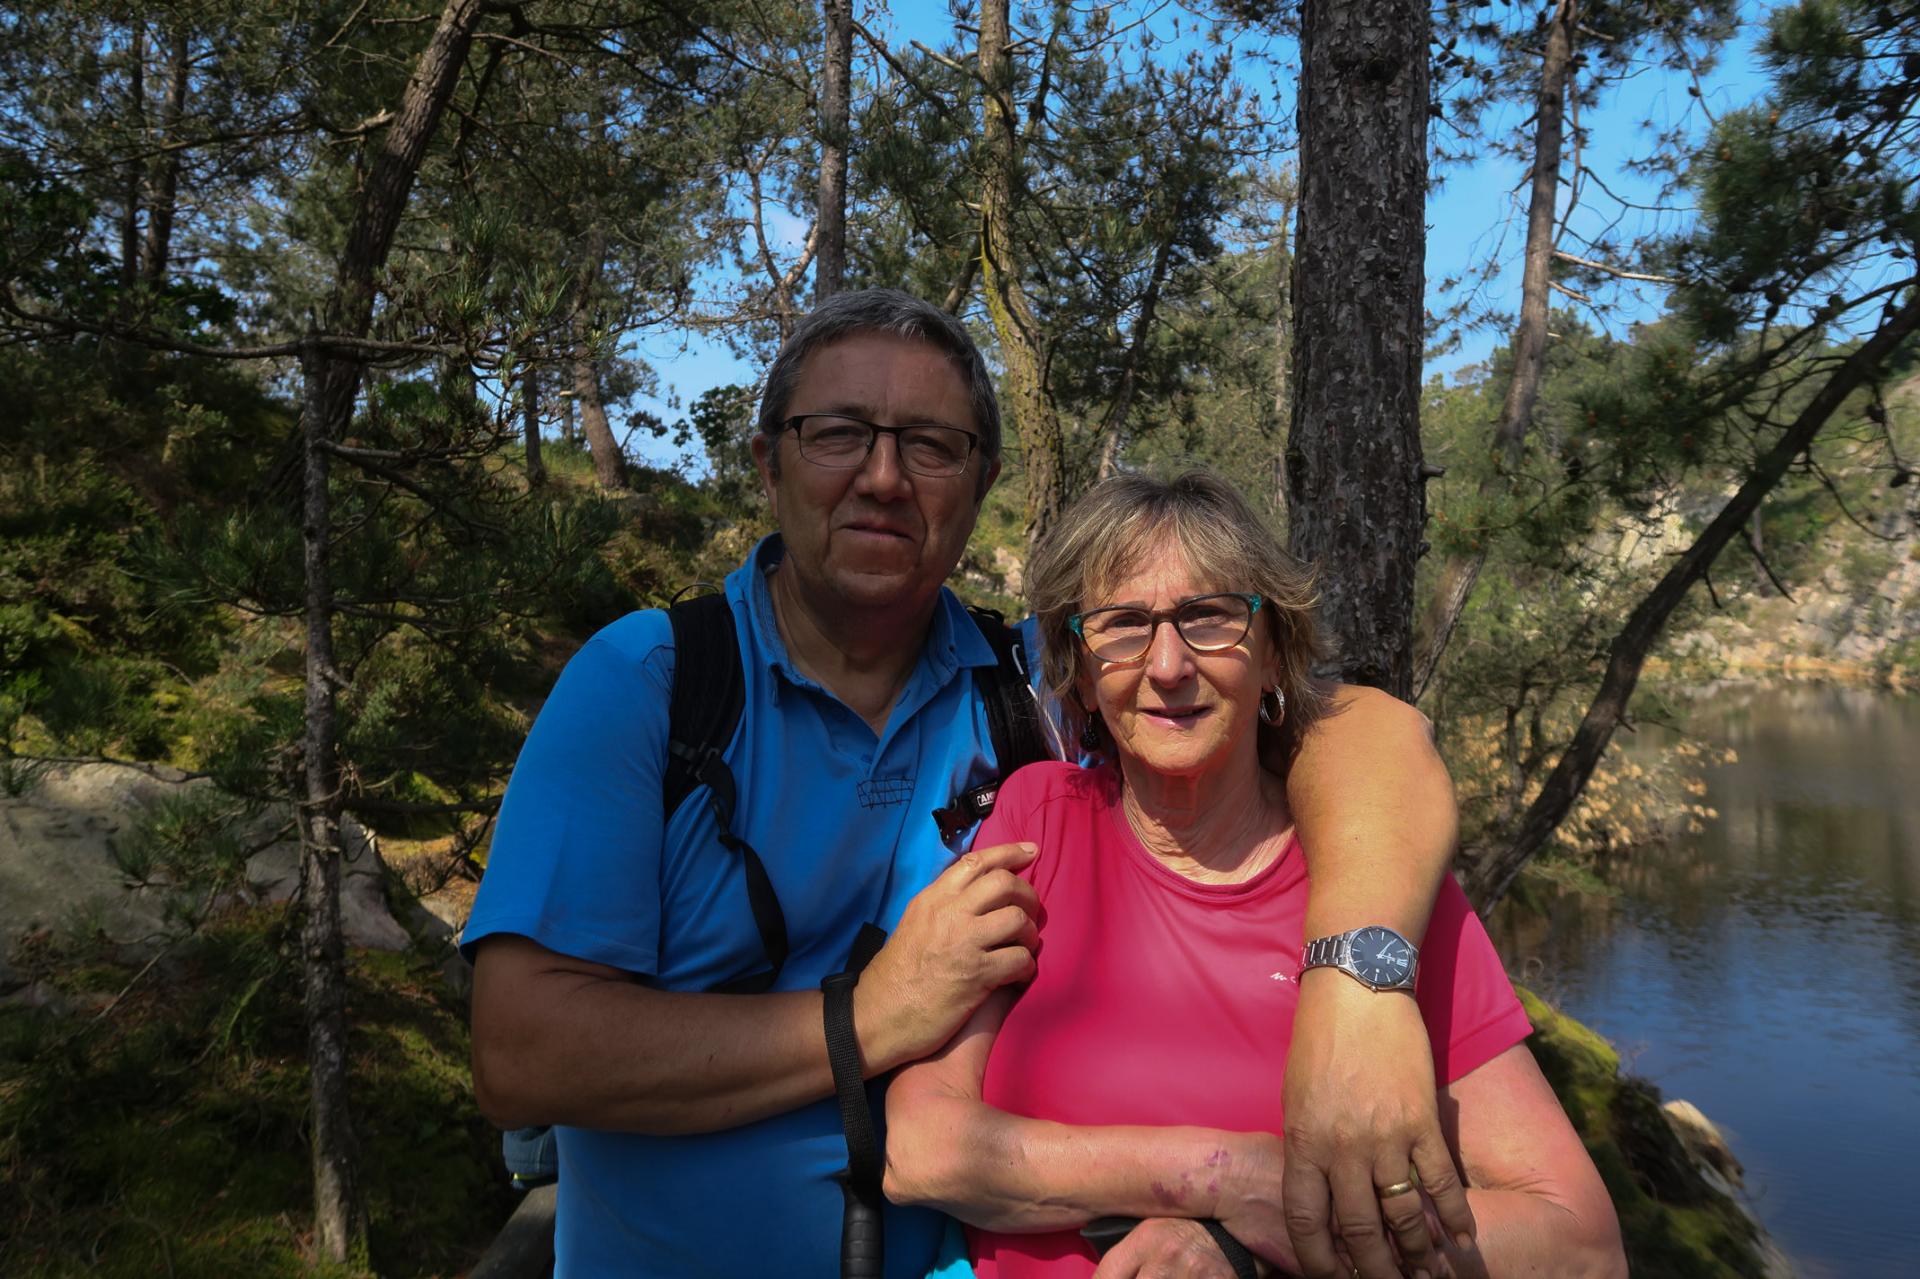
1207,623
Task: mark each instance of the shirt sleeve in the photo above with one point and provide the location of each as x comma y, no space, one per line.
575,861
1471,1012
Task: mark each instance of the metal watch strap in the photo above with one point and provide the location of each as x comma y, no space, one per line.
1322,952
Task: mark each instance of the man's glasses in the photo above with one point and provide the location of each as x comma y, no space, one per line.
1208,623
835,440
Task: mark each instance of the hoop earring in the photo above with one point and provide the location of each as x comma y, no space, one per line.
1090,732
1271,713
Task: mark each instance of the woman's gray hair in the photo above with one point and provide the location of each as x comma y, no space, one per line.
1120,522
887,311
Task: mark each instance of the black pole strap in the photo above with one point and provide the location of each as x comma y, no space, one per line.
862,1233
1104,1232
1236,1252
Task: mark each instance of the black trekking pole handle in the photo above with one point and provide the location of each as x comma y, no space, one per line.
862,1233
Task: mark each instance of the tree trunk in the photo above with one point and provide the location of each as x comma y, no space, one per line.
530,427
339,1223
836,97
1283,355
1013,322
609,468
130,205
1355,493
163,187
1113,427
1488,877
1461,571
331,381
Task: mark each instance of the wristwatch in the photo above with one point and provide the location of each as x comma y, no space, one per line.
1375,956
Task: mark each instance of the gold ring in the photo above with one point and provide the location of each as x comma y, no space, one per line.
1397,1188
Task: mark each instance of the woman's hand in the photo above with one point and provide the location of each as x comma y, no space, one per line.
1362,1114
1173,1247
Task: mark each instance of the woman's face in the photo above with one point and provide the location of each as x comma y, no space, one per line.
1177,711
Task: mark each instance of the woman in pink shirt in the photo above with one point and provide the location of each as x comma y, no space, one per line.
1139,1074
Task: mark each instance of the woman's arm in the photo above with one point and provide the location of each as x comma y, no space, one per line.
947,1148
1540,1203
1377,822
1541,1206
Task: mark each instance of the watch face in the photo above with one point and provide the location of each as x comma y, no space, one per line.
1381,957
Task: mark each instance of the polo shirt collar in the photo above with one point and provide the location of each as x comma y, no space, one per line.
953,641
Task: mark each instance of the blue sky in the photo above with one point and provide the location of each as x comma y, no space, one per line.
1476,214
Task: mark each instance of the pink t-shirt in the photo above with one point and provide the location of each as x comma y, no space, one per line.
1164,1001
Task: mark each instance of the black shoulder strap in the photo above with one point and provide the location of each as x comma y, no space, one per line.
1013,723
1013,716
709,691
709,694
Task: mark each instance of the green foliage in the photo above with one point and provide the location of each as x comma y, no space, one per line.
173,1132
194,841
1806,197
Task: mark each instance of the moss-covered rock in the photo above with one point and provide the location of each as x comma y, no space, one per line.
1676,1222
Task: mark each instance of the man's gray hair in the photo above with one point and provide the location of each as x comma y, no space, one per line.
888,311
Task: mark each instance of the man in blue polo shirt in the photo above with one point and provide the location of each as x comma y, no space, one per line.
698,1132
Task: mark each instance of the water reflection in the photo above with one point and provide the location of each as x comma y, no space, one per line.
1768,969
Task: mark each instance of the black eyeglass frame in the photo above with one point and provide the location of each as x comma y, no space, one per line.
1077,624
874,432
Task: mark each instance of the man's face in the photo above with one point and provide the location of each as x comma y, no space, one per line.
876,535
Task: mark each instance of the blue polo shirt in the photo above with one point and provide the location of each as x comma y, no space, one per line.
843,820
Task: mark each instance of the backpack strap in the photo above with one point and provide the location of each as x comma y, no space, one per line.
709,691
1013,723
709,695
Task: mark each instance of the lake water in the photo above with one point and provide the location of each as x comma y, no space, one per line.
1768,970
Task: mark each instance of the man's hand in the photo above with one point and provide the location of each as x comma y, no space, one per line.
1362,1115
1174,1247
965,935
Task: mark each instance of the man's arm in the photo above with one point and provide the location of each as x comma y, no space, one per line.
563,1040
1376,815
1376,818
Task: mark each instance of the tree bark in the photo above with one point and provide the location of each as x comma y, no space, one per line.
1488,877
130,205
836,106
1356,498
1013,321
1283,353
609,468
1113,427
331,382
530,427
1461,571
163,186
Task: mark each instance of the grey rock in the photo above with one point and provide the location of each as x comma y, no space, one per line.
57,869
